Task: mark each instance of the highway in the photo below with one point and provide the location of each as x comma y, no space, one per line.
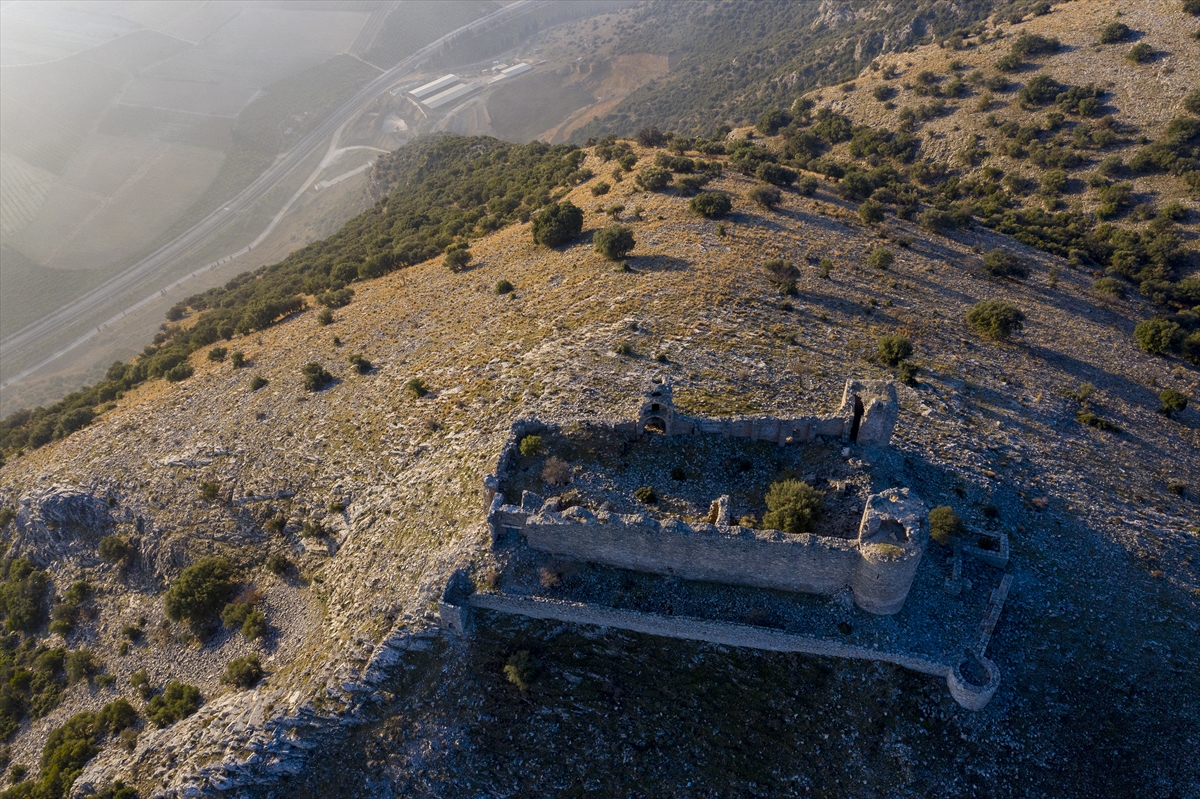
36,335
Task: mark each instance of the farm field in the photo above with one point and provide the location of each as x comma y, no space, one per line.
414,23
159,124
147,118
168,123
235,66
24,188
132,217
208,99
32,35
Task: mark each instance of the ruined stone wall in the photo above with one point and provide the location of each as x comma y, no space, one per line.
970,696
877,570
762,559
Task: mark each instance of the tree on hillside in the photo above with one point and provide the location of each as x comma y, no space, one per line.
200,591
995,319
557,224
615,242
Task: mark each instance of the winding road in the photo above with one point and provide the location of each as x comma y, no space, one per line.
34,336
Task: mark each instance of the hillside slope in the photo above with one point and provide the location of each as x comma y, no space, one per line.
362,692
976,131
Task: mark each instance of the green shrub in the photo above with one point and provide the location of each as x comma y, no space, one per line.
771,121
315,377
793,507
243,614
870,212
361,364
775,174
237,359
765,196
806,186
243,672
937,220
118,790
1140,53
179,372
324,317
1110,286
1115,32
457,258
1054,181
1191,103
209,490
1172,402
140,681
532,446
881,258
711,205
615,242
1114,199
1031,44
557,224
1191,7
653,178
1157,336
521,669
114,548
6,516
944,525
894,349
1092,420
906,373
277,563
600,189
175,703
416,388
1001,263
217,354
504,287
1041,89
200,591
646,494
624,348
995,319
336,298
1190,348
80,664
257,382
117,715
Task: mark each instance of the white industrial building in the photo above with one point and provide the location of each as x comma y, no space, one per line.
515,69
433,87
450,95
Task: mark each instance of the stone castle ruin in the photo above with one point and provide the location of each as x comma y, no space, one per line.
877,566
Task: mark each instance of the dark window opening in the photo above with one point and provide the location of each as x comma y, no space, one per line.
858,415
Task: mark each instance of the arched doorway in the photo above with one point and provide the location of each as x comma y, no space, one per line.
655,424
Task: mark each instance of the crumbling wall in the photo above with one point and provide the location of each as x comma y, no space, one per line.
967,694
878,398
735,555
878,567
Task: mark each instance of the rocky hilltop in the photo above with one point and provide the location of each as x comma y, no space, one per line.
344,510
